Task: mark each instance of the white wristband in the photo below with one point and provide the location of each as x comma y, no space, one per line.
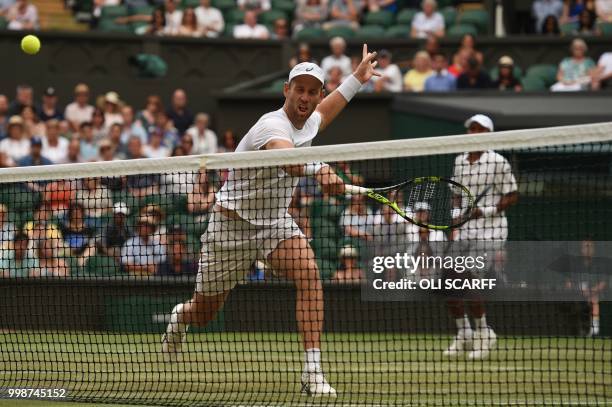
349,87
488,211
455,213
312,168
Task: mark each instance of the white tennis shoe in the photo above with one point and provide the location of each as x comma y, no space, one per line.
315,385
173,339
461,343
484,342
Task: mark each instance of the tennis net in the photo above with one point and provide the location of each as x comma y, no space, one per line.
96,257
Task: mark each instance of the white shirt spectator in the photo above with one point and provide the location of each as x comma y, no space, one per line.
245,31
394,82
203,143
78,114
137,252
16,149
544,8
604,9
22,20
343,62
605,61
59,153
210,19
425,26
160,152
173,21
364,223
264,5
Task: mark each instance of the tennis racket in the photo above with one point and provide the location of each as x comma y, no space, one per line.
431,202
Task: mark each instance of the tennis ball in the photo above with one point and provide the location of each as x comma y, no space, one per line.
30,44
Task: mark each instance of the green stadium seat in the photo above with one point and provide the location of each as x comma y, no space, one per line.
445,4
310,33
459,30
113,12
234,16
494,72
477,18
276,87
340,31
405,16
568,28
605,28
546,72
141,10
224,5
450,15
533,83
228,31
382,18
398,31
270,16
109,25
370,31
287,6
190,3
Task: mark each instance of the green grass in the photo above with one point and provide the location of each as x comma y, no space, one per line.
264,368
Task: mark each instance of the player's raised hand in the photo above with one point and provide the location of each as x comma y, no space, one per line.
365,70
329,182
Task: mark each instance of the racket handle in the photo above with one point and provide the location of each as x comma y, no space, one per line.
355,190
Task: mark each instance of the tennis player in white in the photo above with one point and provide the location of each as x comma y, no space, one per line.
250,219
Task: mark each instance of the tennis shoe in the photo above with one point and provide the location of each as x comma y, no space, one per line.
315,385
461,343
484,342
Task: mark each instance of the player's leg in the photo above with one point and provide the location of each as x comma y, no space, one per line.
296,261
484,338
463,340
594,330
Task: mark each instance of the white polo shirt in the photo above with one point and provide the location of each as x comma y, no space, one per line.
490,169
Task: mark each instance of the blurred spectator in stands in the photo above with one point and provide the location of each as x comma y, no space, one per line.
95,199
49,109
414,80
89,149
31,125
468,42
250,29
345,13
571,11
432,45
77,235
541,9
427,22
334,79
158,26
4,116
148,115
5,5
24,96
80,110
98,127
602,75
603,8
309,13
576,72
459,62
7,228
16,145
5,160
140,185
165,125
507,80
187,144
41,227
22,16
112,109
131,127
55,148
134,149
74,151
210,20
257,6
349,269
97,9
357,220
178,261
586,24
440,80
204,139
115,136
189,25
155,147
474,77
391,76
106,151
179,113
116,233
303,55
15,261
337,58
174,16
229,142
281,29
35,156
142,253
550,27
47,261
377,5
201,199
64,129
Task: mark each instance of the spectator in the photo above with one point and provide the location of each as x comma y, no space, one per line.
603,73
16,145
15,261
131,127
158,26
4,107
46,261
550,27
334,79
173,17
459,62
576,72
337,58
166,127
228,142
377,5
281,29
189,25
24,96
257,6
22,16
148,115
187,144
440,80
64,129
202,198
571,10
6,161
97,9
357,220
210,19
98,127
507,80
603,8
178,261
427,22
310,13
142,253
345,13
155,147
106,152
77,235
55,148
414,80
88,147
474,77
35,157
5,5
432,45
112,109
94,198
349,270
204,139
544,8
586,24
391,76
116,233
140,185
348,175
250,29
31,125
179,113
7,228
115,138
303,55
49,109
41,228
80,110
74,151
469,43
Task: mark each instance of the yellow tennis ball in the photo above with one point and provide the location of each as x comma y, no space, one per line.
30,44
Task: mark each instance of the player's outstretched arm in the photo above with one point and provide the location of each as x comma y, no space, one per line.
333,104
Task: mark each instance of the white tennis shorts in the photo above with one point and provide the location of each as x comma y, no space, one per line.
230,246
